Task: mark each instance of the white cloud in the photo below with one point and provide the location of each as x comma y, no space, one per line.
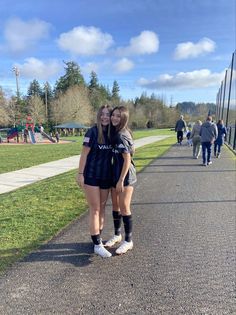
90,66
85,41
191,50
146,43
184,80
123,65
21,36
41,70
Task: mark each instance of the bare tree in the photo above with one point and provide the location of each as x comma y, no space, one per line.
73,105
12,111
137,118
36,109
4,117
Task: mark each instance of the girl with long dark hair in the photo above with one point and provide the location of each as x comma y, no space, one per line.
94,175
123,178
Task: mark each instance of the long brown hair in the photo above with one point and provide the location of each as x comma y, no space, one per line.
99,124
124,118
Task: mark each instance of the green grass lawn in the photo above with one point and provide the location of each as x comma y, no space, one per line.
152,132
34,214
15,157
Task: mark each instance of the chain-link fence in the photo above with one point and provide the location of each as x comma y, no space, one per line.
226,102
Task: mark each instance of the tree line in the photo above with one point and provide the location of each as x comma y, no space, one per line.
72,99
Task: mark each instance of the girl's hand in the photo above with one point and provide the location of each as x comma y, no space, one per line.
80,180
120,186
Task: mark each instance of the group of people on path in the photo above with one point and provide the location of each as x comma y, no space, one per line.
106,165
203,135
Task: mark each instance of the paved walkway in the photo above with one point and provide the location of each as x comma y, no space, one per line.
13,180
183,261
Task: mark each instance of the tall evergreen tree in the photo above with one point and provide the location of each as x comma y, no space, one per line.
115,93
47,99
94,93
35,89
72,77
105,92
93,83
98,94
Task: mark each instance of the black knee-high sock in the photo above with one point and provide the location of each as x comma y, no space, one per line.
117,222
96,239
127,219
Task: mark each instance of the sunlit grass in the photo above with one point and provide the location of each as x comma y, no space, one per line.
14,157
152,132
32,215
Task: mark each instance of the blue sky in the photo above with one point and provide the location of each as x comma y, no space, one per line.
178,49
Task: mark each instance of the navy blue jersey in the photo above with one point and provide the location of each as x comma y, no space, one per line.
98,164
123,143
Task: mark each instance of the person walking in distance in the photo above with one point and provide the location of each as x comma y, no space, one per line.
208,133
180,127
124,177
94,175
222,132
196,139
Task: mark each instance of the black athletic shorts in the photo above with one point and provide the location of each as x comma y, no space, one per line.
102,184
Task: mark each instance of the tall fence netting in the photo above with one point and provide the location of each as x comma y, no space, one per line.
226,102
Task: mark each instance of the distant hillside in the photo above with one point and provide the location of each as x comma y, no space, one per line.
196,110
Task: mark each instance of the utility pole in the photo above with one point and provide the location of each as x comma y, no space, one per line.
171,101
46,100
17,73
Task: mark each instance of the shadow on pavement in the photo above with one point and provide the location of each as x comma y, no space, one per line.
77,254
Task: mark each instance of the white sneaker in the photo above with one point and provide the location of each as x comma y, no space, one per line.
115,239
101,251
209,163
124,247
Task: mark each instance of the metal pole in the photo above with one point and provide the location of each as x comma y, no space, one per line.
46,100
17,73
230,87
225,81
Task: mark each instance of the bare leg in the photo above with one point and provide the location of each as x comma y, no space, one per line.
104,193
115,200
198,149
95,198
125,200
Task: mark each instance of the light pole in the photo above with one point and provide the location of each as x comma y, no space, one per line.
17,73
46,99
